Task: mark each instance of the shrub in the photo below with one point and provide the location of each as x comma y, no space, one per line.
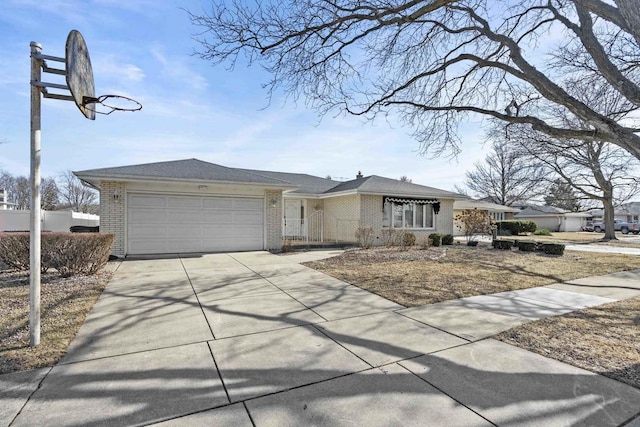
527,246
473,222
447,239
516,227
408,239
14,250
435,238
390,237
553,249
542,232
69,254
365,237
502,244
426,243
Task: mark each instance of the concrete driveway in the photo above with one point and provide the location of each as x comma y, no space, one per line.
258,339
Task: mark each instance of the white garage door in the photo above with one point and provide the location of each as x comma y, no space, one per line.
159,224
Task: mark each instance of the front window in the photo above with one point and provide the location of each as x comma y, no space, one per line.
407,215
497,216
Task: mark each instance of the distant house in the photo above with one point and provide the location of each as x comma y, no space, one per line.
495,212
553,219
4,204
629,212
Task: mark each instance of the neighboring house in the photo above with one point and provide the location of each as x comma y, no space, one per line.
196,206
628,212
553,219
494,211
4,204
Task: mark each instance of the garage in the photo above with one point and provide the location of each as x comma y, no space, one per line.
160,223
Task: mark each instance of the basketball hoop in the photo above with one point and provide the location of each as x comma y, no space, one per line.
80,89
113,102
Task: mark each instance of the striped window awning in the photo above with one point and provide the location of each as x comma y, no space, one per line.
434,202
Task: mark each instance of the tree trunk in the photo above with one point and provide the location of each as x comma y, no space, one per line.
609,228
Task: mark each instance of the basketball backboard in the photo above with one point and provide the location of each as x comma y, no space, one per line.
79,73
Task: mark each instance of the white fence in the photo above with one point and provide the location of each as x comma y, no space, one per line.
19,220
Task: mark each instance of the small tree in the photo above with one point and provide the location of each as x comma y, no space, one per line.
473,223
365,237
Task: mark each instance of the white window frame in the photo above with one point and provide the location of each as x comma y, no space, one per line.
391,206
497,216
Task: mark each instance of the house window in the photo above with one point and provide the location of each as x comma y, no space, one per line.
497,216
407,215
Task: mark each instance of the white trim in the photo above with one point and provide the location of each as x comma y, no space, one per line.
165,180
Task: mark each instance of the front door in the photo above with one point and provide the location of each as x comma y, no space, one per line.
294,224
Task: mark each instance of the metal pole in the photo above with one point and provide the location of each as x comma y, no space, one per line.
34,248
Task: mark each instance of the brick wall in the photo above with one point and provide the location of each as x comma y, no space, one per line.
273,219
112,214
341,218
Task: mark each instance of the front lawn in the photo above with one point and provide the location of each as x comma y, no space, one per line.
604,339
419,277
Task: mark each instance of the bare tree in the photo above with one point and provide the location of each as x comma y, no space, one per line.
19,191
75,194
404,178
597,170
7,182
49,194
22,193
505,176
434,63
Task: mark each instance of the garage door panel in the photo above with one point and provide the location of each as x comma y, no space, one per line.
219,203
184,202
170,224
248,217
178,216
218,232
147,216
249,204
185,231
150,232
217,217
146,200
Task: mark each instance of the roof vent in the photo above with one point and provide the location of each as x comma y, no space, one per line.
359,175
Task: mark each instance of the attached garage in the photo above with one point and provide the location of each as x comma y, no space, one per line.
158,223
188,206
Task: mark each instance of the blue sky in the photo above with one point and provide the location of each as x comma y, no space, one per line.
143,49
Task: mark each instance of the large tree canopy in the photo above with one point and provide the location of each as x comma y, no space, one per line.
436,62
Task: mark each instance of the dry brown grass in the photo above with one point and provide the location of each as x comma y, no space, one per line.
603,339
419,277
64,306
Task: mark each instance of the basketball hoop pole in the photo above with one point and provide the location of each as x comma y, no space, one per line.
34,241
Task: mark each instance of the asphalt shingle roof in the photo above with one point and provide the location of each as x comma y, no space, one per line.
540,211
184,169
379,184
308,184
194,169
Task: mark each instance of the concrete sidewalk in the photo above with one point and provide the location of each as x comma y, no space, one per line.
258,339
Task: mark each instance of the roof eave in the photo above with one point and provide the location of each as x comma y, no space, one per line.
95,180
